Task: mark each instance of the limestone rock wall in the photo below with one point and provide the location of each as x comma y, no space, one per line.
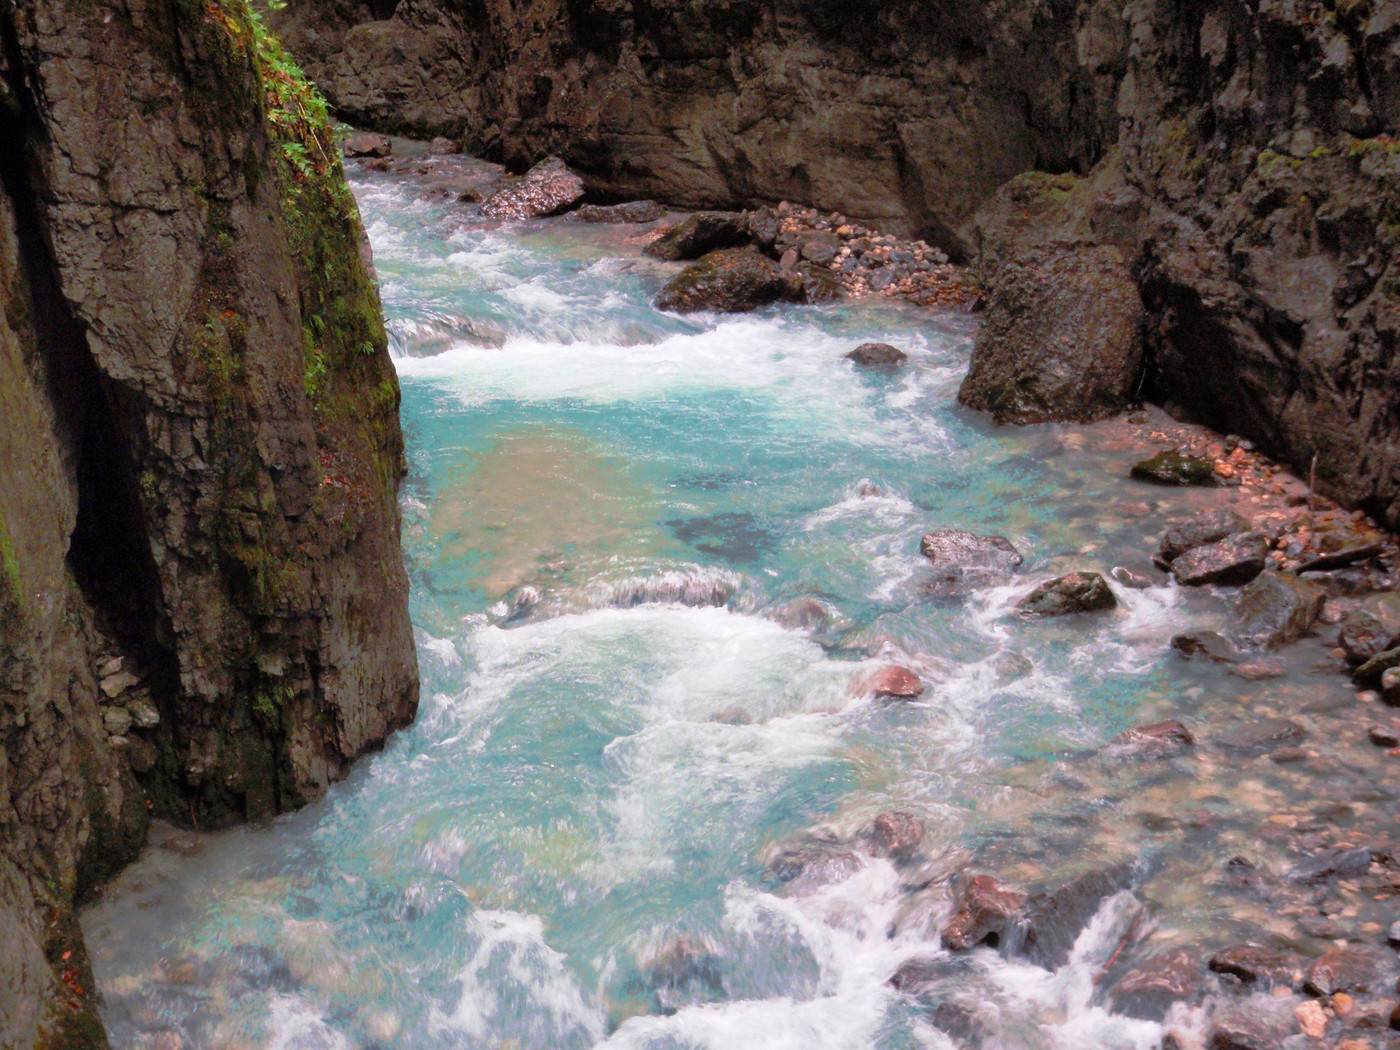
905,114
203,608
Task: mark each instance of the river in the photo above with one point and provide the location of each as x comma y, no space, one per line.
652,558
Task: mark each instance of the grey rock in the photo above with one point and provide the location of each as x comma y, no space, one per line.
1256,965
731,280
1208,644
958,548
1157,740
1261,735
1361,636
1053,920
1242,1032
1077,592
1208,527
1335,863
632,211
877,355
699,235
1235,560
1275,610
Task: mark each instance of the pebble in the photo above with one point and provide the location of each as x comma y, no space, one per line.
1312,1019
1384,736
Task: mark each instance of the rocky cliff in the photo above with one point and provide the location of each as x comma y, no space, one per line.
1241,155
202,604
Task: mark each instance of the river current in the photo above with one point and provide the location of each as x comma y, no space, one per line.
652,557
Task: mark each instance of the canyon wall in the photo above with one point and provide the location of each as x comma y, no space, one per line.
1241,154
203,608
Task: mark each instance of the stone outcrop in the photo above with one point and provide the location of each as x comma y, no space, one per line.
203,607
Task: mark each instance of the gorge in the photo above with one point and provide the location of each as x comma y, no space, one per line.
708,754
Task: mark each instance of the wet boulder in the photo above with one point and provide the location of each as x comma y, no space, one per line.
1208,644
1359,969
1052,921
731,280
892,682
546,189
368,144
877,355
1061,338
1231,561
819,284
1134,581
894,835
1275,610
1158,740
1148,990
1341,559
985,909
632,211
1077,592
1361,636
699,235
958,548
806,868
1208,527
1173,468
1255,965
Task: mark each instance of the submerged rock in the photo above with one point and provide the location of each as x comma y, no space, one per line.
1061,339
1157,740
1077,592
1361,969
632,211
732,280
1235,560
1335,863
699,235
1263,735
1244,1032
1172,468
546,189
895,835
1149,989
1135,581
1052,921
1254,964
893,683
877,355
1276,610
1209,644
958,548
985,908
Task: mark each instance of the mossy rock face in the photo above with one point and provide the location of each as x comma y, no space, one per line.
1172,468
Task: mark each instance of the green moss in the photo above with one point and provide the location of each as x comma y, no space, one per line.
13,600
268,701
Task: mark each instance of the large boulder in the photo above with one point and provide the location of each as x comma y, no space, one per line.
1275,610
731,280
1077,592
1149,989
546,189
1052,921
1061,340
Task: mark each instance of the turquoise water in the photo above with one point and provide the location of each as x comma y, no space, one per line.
611,517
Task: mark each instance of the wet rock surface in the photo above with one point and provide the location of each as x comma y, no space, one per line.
1078,592
1231,561
1276,610
1060,340
1149,989
1173,468
700,234
984,910
877,355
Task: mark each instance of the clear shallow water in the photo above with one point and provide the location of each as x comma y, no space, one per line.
611,517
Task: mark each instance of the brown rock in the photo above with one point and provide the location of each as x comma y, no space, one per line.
1149,989
893,682
895,835
985,909
1254,964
